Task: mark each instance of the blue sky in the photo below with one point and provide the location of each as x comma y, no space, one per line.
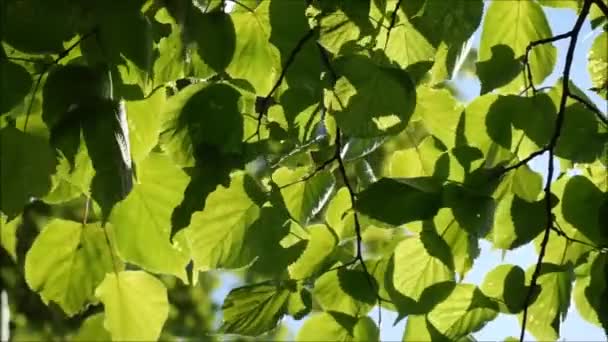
574,328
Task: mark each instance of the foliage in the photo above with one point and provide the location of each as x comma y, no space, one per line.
315,148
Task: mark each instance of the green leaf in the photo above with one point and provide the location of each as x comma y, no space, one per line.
488,130
216,49
421,262
516,24
580,210
551,305
506,284
71,181
320,245
142,221
419,161
217,234
598,65
26,165
396,202
338,327
452,23
92,329
343,26
304,199
440,113
581,140
107,139
39,26
590,290
345,291
253,58
201,116
299,303
503,58
15,84
527,184
144,122
338,214
8,235
405,44
464,311
464,245
370,100
418,328
137,298
171,63
66,263
255,309
517,222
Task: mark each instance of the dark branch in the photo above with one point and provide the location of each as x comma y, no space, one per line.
602,6
573,35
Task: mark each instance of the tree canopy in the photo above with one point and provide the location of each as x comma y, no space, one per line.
318,149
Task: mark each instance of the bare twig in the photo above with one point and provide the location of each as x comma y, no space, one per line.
312,174
524,161
266,100
573,35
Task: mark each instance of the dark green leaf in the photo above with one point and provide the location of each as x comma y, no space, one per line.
395,202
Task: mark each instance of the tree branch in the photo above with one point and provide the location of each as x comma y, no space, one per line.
392,23
352,194
573,35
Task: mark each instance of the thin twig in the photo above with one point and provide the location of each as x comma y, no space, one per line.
351,191
46,68
266,100
526,61
573,34
312,174
524,161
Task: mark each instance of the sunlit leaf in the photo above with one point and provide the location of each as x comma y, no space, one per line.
67,262
516,24
142,221
137,298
